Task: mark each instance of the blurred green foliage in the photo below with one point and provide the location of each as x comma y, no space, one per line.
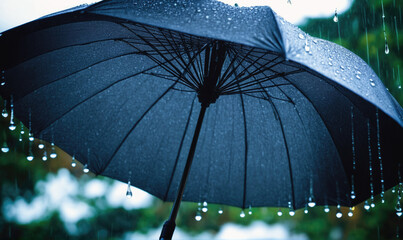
360,29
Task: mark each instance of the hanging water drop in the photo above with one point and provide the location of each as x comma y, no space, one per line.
129,193
44,157
279,212
372,202
22,132
4,112
3,79
242,214
306,209
339,214
250,210
198,216
371,82
220,211
41,145
393,189
326,209
311,201
30,157
291,211
53,153
73,162
350,213
335,18
366,205
352,194
205,208
86,169
5,148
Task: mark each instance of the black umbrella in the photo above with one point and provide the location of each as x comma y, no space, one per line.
287,119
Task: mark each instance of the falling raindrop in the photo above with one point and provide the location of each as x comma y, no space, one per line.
220,211
371,179
242,214
386,47
250,210
326,209
380,156
53,153
339,214
5,147
12,126
205,207
198,216
129,193
45,157
30,135
73,162
335,18
350,213
4,112
366,205
279,212
86,169
3,80
353,152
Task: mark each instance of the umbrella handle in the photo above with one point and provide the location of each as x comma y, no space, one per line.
169,226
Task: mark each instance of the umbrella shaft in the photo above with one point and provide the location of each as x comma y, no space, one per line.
169,226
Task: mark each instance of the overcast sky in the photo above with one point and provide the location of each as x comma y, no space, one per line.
17,12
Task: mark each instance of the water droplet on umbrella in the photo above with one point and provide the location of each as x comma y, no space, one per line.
366,205
301,36
242,214
339,214
129,193
73,162
307,48
326,209
204,209
371,82
279,212
350,213
198,216
85,169
5,148
335,18
220,211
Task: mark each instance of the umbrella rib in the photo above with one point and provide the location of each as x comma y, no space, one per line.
85,68
179,151
134,126
277,115
175,71
285,144
246,150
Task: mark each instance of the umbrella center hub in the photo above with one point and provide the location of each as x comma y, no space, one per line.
213,63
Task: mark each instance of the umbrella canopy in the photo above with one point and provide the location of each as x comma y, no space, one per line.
288,117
